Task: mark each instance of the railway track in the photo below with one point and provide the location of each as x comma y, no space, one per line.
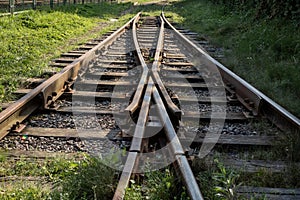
144,85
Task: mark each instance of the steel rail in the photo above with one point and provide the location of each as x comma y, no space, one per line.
143,80
137,140
181,160
69,74
136,144
241,87
156,78
175,145
246,93
51,89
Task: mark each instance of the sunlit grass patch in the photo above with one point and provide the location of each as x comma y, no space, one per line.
25,191
81,177
28,41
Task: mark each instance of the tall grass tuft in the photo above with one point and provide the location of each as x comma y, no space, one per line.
93,180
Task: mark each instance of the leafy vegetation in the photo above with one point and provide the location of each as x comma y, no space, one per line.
288,9
267,178
288,147
51,169
156,185
89,178
25,191
30,40
263,50
58,178
92,180
43,173
218,183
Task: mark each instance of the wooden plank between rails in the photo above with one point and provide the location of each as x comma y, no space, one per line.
87,94
214,115
90,110
212,99
255,140
78,94
69,133
248,165
180,64
270,193
21,154
252,166
109,83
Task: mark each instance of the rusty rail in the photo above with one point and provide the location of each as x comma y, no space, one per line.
249,96
143,81
137,145
159,84
181,160
45,94
174,144
69,74
149,87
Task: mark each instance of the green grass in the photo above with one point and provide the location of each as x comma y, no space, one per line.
92,180
267,178
25,191
264,52
30,40
219,182
46,172
52,169
216,182
84,177
156,185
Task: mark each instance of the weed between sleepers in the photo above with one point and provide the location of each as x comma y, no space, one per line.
160,184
